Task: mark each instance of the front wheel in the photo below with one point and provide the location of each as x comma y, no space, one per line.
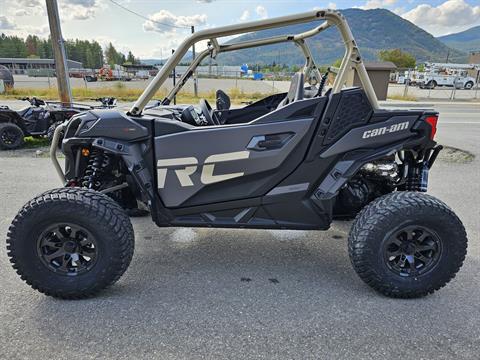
407,244
468,85
70,243
11,136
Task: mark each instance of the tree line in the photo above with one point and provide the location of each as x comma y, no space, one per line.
89,53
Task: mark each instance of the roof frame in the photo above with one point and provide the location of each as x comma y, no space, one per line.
351,62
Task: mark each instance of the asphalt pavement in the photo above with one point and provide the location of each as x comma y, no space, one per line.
245,294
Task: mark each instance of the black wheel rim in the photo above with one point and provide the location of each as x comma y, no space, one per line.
67,249
412,251
10,136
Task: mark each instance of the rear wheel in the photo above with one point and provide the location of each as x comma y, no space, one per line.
11,136
469,85
407,244
51,132
432,84
70,243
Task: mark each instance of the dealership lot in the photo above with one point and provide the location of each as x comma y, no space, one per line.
202,293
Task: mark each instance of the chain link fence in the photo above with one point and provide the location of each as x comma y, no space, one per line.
270,83
408,83
226,80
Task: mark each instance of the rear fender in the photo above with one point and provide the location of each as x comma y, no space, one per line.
348,166
11,116
353,161
375,141
395,129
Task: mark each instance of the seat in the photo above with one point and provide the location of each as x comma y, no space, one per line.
223,101
296,90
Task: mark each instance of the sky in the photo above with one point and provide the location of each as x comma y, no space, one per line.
105,21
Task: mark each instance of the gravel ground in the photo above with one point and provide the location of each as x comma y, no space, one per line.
243,294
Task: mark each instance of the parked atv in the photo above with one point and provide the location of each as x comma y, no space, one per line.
290,161
39,119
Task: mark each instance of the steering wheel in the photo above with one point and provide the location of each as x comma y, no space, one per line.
208,113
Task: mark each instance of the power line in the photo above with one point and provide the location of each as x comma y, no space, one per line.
146,18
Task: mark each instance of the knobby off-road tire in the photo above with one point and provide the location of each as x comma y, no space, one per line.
11,136
70,243
51,132
407,244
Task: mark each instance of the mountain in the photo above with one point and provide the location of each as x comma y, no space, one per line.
186,58
373,30
152,61
468,40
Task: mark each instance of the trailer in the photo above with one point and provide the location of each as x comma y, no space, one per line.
106,73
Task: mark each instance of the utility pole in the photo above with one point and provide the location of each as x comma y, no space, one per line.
174,75
210,66
195,84
477,81
58,46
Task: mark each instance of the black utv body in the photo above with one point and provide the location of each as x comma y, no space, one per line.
296,160
39,120
258,159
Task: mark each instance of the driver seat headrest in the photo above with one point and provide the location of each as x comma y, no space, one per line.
222,100
296,90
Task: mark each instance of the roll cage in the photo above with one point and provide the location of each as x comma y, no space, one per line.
351,62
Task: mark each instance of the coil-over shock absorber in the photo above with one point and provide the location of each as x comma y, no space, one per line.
323,81
97,163
418,168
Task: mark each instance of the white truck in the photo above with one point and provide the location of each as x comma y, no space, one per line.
409,77
444,74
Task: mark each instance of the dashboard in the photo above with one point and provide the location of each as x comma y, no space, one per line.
185,113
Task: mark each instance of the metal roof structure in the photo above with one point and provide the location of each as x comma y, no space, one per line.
35,61
385,65
352,62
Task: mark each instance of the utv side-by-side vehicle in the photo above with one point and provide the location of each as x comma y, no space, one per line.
39,119
296,160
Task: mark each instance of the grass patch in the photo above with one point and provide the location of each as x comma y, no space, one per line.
453,155
403,98
118,90
123,93
31,142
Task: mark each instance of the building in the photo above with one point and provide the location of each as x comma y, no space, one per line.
474,58
23,65
140,70
379,74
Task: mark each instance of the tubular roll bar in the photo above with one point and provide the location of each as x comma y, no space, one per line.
352,61
310,68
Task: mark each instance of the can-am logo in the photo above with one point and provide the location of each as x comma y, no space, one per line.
385,130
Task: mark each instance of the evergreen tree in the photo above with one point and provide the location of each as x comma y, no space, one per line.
32,45
89,53
12,46
130,58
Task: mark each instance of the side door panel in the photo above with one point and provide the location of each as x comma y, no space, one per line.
217,164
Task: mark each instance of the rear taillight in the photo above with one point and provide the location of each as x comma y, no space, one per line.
432,120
